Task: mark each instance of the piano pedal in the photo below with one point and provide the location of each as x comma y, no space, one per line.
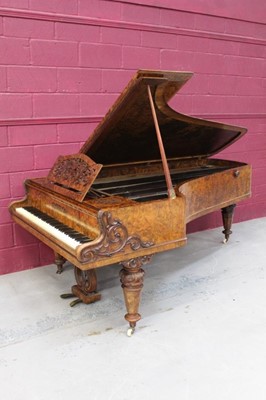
81,297
74,302
86,289
69,296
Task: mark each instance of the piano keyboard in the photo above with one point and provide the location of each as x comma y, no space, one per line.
53,227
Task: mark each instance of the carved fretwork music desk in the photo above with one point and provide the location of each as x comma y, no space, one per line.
144,173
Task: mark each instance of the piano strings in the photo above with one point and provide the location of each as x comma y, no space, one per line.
147,188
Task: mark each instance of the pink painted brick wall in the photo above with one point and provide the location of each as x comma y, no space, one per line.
67,60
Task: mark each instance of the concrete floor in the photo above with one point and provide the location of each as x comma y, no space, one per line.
202,336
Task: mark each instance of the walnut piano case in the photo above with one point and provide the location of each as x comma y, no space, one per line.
110,203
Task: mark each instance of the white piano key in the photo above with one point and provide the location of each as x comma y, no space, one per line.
51,230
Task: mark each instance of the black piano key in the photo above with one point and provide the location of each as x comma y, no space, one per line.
82,239
59,225
71,232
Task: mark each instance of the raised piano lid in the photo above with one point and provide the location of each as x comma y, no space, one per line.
127,132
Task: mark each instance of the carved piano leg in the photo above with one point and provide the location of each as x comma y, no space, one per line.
59,261
131,277
86,288
227,214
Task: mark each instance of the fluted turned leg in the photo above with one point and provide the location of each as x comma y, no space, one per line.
59,261
227,214
131,276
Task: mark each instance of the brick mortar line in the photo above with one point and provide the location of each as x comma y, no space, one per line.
171,8
97,119
6,12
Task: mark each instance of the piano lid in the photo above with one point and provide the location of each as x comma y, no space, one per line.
127,133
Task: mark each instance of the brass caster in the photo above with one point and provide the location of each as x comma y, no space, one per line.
130,331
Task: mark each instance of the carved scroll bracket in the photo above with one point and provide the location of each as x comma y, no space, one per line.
114,239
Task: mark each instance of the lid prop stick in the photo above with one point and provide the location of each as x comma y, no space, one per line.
169,184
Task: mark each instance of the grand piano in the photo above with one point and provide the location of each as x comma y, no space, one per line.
144,173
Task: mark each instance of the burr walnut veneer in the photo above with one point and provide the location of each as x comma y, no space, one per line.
110,204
